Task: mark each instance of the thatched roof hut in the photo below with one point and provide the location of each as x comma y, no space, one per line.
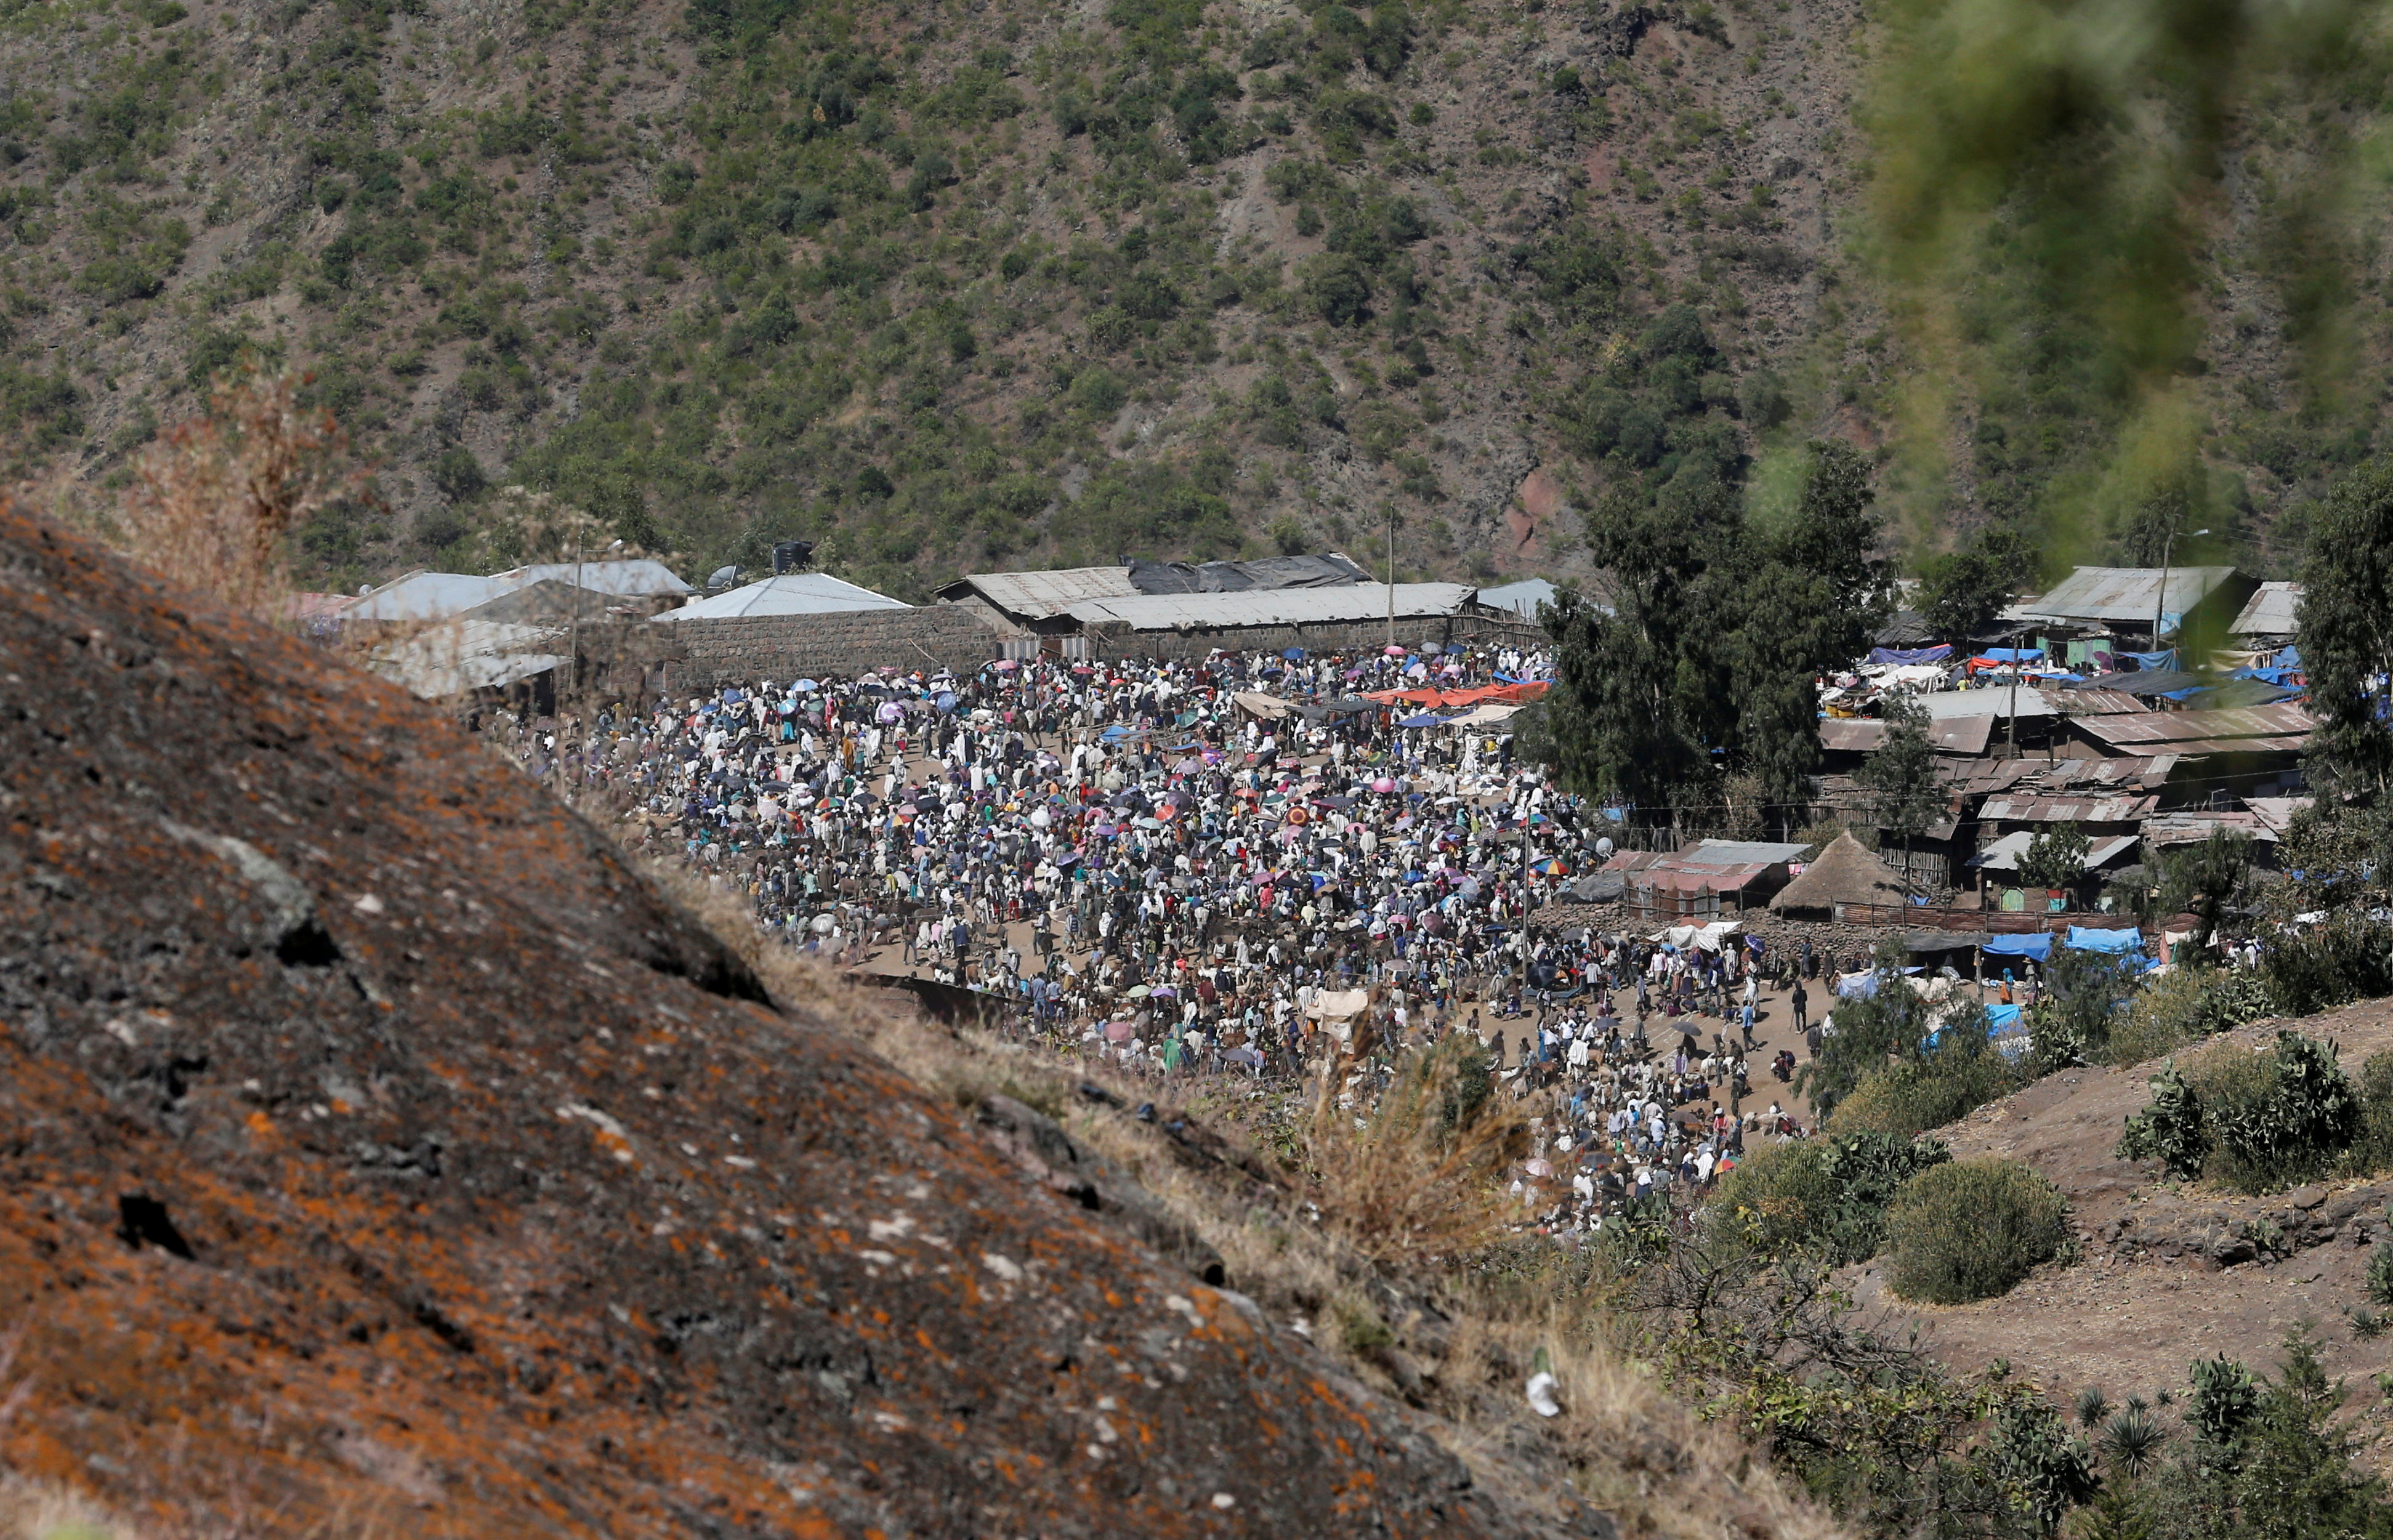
1845,875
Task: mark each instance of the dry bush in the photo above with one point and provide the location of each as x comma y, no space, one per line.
220,494
1420,1178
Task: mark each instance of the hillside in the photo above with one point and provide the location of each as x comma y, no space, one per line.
386,1155
1004,284
2171,1271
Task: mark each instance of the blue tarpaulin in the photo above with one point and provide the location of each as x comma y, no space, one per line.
2267,676
2291,658
2083,940
2001,1019
2038,945
1904,658
2152,661
2012,654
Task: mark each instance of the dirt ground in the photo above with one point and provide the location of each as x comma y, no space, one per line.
2161,1279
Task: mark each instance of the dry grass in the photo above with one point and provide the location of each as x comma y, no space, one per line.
220,495
40,1510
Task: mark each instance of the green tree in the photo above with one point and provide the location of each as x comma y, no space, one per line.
1906,796
1962,591
1705,668
2056,856
2346,622
2206,879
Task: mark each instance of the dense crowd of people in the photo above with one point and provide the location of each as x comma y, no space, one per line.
1244,864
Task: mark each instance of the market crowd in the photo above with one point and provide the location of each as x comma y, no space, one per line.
1240,865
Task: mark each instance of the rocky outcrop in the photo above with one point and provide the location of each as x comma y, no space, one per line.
373,1141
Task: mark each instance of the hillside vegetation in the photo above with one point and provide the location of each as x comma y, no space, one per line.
957,285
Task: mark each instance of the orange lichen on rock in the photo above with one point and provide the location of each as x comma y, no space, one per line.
312,1196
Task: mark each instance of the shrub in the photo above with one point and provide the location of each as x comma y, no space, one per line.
2073,1023
2169,1129
1825,1194
1970,1230
2183,1008
1964,1074
2224,1399
2380,1274
2372,1150
2348,957
2278,1118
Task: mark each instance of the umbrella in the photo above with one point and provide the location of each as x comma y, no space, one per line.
805,686
1383,786
1432,648
1007,665
891,711
1426,719
1392,650
1293,653
1139,992
1120,1031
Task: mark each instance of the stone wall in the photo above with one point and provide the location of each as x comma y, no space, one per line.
1117,641
782,647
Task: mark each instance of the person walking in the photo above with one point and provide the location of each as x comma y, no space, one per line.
1799,1000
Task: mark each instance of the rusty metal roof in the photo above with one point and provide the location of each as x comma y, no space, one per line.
2193,825
2004,854
2102,704
2129,593
1042,595
2073,810
2180,730
1851,734
1958,735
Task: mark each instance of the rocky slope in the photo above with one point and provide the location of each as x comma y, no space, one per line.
381,1151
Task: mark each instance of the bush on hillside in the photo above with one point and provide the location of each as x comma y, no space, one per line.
1822,1195
2072,1023
2276,1119
2183,1008
2372,1150
1971,1230
2350,957
2170,1129
1909,1098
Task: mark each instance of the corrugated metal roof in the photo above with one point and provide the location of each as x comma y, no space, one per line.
2180,730
2004,854
1280,607
1041,595
1741,853
2191,827
639,575
2128,593
468,654
2277,813
1676,876
424,596
2268,612
2074,810
1993,700
2102,704
1851,735
790,593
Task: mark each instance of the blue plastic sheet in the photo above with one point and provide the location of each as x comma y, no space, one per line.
1906,657
2038,945
2083,940
2001,1019
2291,658
2150,661
2013,654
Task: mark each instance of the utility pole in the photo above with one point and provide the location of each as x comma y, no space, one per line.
2017,637
1391,574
